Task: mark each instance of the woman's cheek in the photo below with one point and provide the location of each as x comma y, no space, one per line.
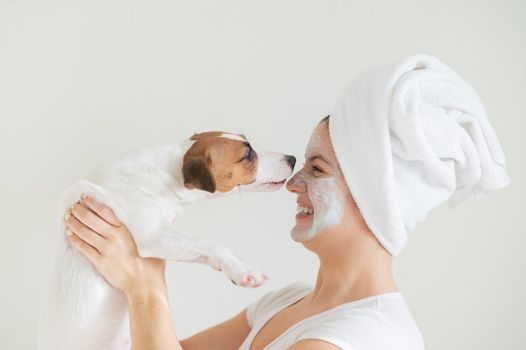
327,200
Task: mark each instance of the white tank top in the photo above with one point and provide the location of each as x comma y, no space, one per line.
380,322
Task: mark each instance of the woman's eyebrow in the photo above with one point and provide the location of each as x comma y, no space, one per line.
317,156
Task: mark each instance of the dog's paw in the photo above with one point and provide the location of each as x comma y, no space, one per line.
245,276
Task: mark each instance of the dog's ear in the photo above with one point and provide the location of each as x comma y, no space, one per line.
197,175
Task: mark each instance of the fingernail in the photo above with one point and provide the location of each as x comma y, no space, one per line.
68,232
83,196
67,216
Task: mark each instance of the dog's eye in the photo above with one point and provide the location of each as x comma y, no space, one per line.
249,155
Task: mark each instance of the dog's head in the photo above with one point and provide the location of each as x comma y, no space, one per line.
219,161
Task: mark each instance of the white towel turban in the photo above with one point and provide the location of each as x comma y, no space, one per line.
408,136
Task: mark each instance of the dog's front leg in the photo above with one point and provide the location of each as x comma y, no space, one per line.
172,244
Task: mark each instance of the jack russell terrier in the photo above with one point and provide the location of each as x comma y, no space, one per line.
147,190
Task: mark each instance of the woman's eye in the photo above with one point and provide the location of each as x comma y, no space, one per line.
315,169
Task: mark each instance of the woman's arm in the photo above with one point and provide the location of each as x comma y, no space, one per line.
150,322
96,232
228,335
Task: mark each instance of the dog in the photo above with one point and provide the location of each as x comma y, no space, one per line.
147,190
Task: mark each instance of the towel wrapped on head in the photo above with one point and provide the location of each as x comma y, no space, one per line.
409,136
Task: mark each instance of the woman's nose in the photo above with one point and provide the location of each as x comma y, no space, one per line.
296,185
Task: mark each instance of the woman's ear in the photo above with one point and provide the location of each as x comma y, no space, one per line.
197,175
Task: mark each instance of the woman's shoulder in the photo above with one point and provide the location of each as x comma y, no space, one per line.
276,299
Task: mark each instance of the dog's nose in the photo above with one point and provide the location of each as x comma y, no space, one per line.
291,160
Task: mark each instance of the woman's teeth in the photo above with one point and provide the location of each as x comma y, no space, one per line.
304,210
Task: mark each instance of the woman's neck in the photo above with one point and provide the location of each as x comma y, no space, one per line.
351,274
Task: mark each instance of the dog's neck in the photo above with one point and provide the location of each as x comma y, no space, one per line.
176,178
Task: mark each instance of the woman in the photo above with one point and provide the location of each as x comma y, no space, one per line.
355,303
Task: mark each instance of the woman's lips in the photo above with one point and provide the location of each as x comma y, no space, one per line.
304,212
301,216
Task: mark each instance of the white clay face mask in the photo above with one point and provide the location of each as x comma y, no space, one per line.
324,194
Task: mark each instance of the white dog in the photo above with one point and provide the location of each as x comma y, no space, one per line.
147,190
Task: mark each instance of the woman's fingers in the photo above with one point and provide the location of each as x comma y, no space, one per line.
90,219
84,232
102,210
87,250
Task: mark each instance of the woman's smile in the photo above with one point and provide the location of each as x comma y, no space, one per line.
304,211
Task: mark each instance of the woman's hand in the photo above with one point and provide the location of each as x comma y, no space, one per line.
97,233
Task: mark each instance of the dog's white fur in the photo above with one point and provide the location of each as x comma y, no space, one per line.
145,189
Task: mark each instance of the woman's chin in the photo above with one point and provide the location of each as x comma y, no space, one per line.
300,233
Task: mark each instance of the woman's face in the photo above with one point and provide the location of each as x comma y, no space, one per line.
323,196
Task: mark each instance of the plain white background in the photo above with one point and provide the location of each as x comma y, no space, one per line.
82,82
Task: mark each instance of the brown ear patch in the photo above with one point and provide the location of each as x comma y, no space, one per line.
197,175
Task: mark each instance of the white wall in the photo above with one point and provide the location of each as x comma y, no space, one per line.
84,81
